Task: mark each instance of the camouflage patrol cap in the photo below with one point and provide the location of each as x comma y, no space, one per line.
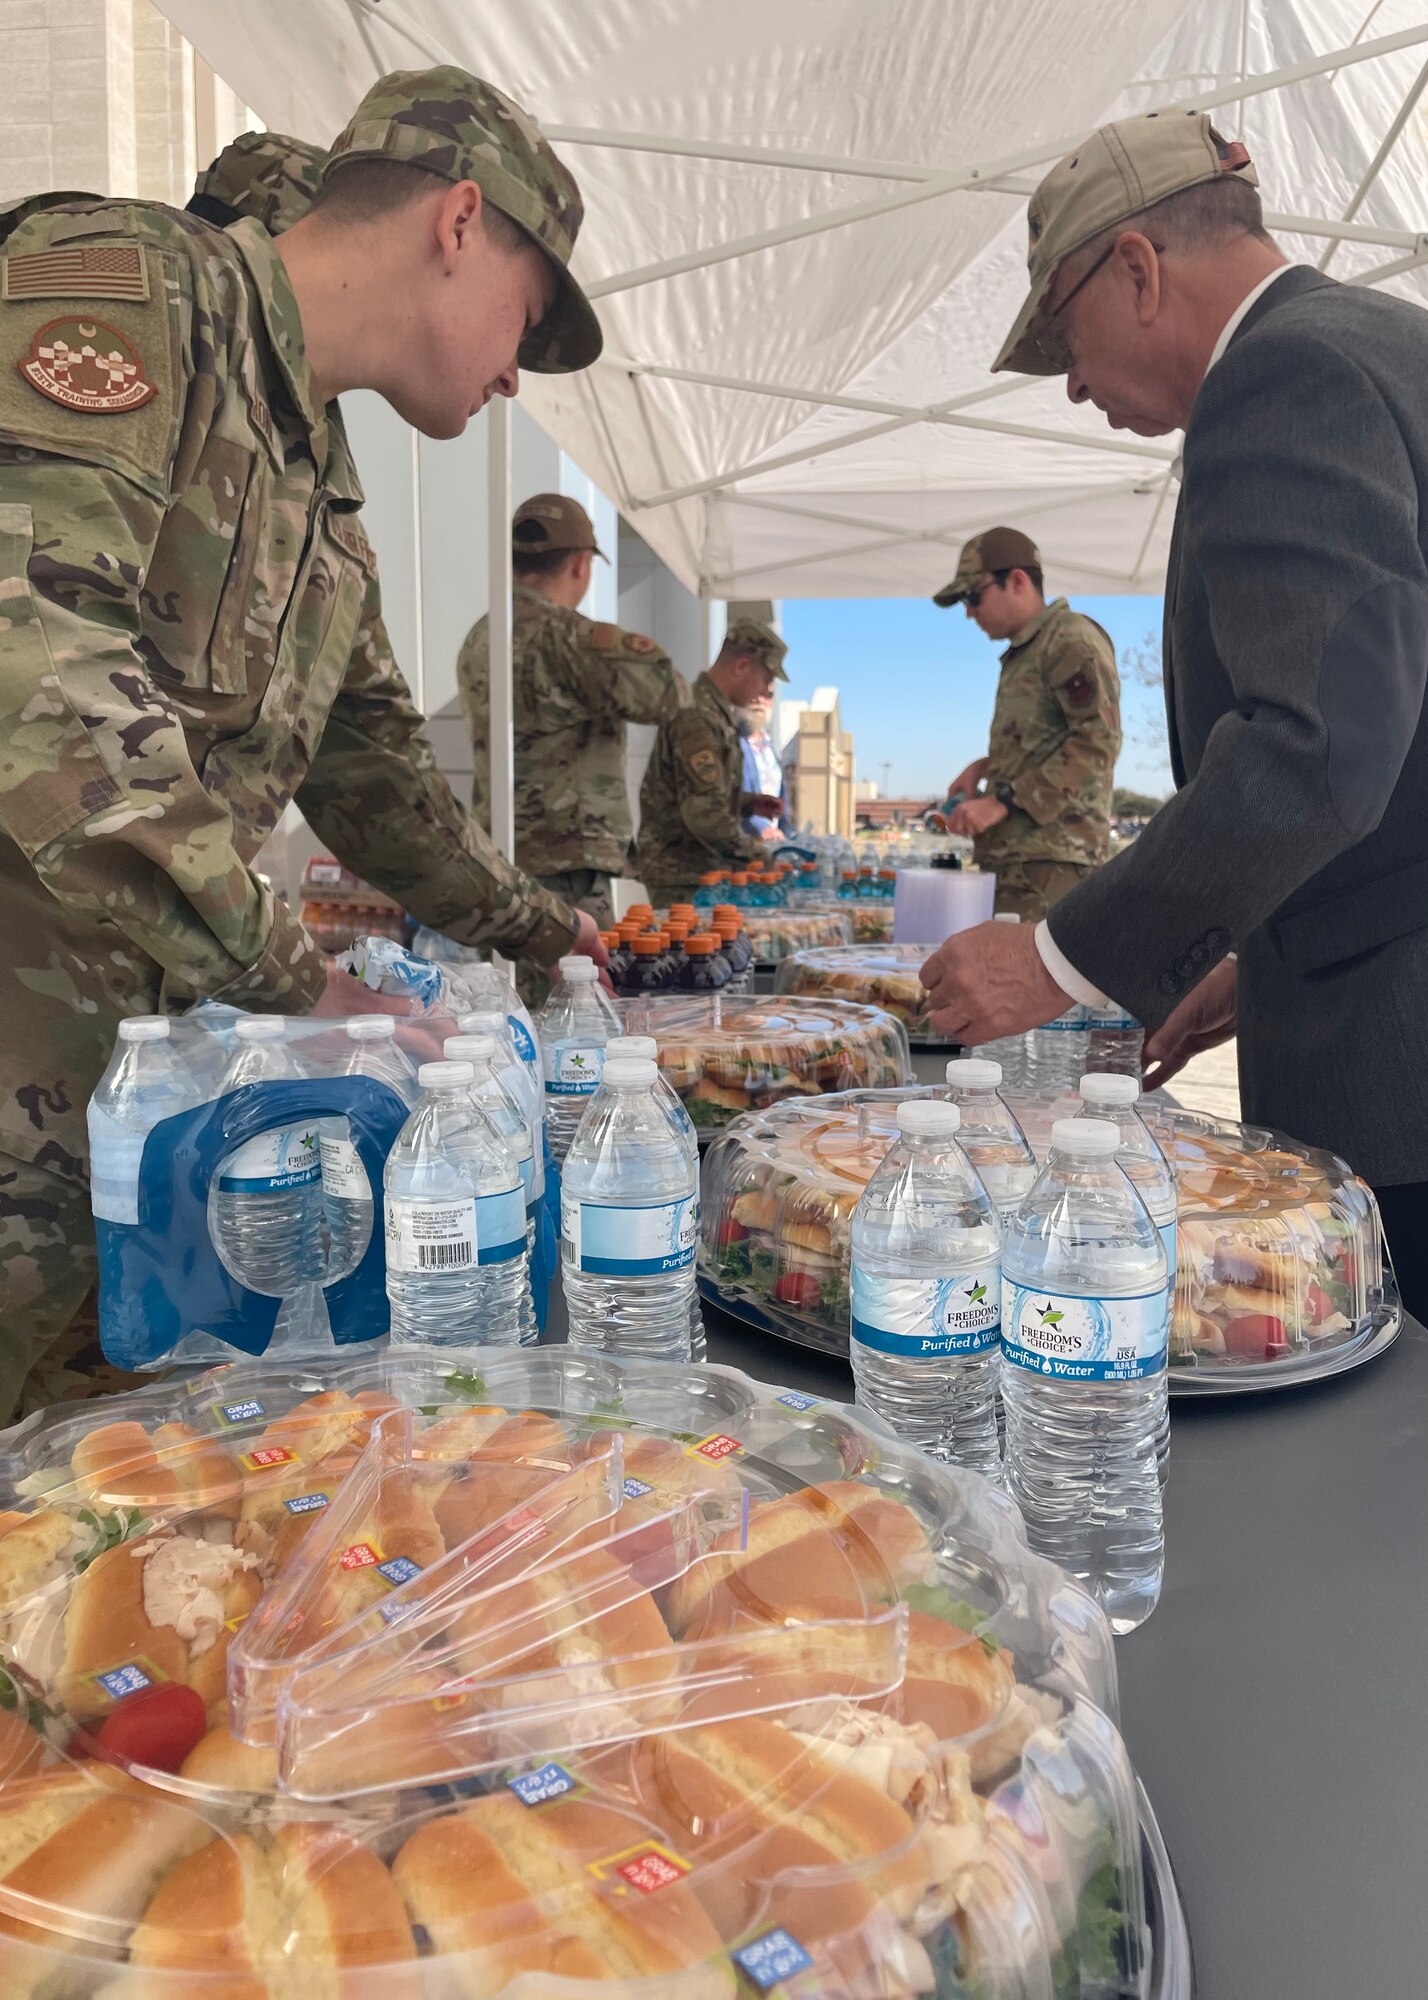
759,641
267,175
994,549
1114,174
458,127
550,521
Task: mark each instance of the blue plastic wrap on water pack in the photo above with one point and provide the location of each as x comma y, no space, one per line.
545,1258
161,1279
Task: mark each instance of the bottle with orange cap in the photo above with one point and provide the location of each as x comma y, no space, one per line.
703,971
707,894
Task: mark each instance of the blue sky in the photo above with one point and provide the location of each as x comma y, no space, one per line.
916,684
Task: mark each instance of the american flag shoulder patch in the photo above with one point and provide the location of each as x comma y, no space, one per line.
78,271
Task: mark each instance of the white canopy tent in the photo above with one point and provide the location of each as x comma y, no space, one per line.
805,228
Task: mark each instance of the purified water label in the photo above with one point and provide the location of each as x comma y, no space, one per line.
430,1236
573,1069
344,1178
500,1226
1085,1340
630,1242
927,1316
286,1157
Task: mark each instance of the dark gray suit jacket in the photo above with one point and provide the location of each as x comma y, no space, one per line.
1296,653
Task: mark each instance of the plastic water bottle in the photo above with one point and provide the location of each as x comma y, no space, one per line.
990,1136
574,1026
629,1221
926,1292
143,1084
1085,1325
489,990
1008,1050
455,1221
267,1205
1056,1053
644,1048
1116,1098
1115,1042
373,1050
522,1079
509,1119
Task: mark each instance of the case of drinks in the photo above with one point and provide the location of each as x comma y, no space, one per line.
725,1056
541,1675
884,975
1280,1257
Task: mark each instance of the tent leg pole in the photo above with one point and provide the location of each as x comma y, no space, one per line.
498,530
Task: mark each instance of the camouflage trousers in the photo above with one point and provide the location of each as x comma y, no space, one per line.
663,894
587,889
1028,889
49,1335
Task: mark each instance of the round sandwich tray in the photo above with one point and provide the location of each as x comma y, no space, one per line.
1248,1378
1172,1960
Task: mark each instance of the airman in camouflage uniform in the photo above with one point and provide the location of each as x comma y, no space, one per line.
1055,736
692,800
194,636
575,684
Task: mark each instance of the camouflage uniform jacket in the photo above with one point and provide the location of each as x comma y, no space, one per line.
1056,734
194,637
575,686
689,801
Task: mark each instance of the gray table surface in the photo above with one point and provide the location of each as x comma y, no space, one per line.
1276,1702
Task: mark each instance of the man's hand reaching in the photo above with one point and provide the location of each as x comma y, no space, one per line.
1204,1019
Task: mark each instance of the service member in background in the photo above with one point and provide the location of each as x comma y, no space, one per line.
693,798
194,632
1282,893
1043,821
763,772
575,684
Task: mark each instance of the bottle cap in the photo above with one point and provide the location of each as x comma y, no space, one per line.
647,947
145,1028
1006,917
1091,1138
261,1028
708,881
624,1047
928,1118
701,947
469,1048
741,880
371,1027
1108,1087
730,910
645,910
482,1023
974,1073
629,1072
579,971
445,1075
681,910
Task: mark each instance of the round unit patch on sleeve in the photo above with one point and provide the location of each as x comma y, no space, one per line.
703,766
83,364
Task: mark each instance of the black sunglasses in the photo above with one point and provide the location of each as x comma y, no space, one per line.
972,598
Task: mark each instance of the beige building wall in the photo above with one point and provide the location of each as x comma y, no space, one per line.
106,97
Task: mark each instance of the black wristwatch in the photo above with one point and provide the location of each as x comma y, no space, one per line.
1003,794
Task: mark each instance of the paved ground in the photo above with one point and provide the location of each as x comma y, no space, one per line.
1210,1083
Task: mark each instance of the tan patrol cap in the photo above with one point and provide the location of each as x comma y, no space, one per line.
550,521
994,549
460,128
1114,174
759,641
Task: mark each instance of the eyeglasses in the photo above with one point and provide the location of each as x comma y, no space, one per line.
972,598
1052,342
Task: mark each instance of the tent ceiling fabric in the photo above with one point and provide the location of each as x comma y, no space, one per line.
903,310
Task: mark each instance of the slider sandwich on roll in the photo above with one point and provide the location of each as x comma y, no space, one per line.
519,1890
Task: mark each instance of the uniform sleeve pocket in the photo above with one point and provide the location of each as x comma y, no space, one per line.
52,773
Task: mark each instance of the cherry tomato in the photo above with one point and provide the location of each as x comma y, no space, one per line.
1255,1336
1317,1304
731,1232
800,1289
158,1727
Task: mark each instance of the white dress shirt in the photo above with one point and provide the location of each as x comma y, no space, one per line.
1052,957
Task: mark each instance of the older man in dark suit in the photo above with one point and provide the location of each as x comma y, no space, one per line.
1283,892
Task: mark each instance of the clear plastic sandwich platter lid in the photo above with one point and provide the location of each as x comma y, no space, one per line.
1281,1268
689,1685
727,1056
776,933
881,975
